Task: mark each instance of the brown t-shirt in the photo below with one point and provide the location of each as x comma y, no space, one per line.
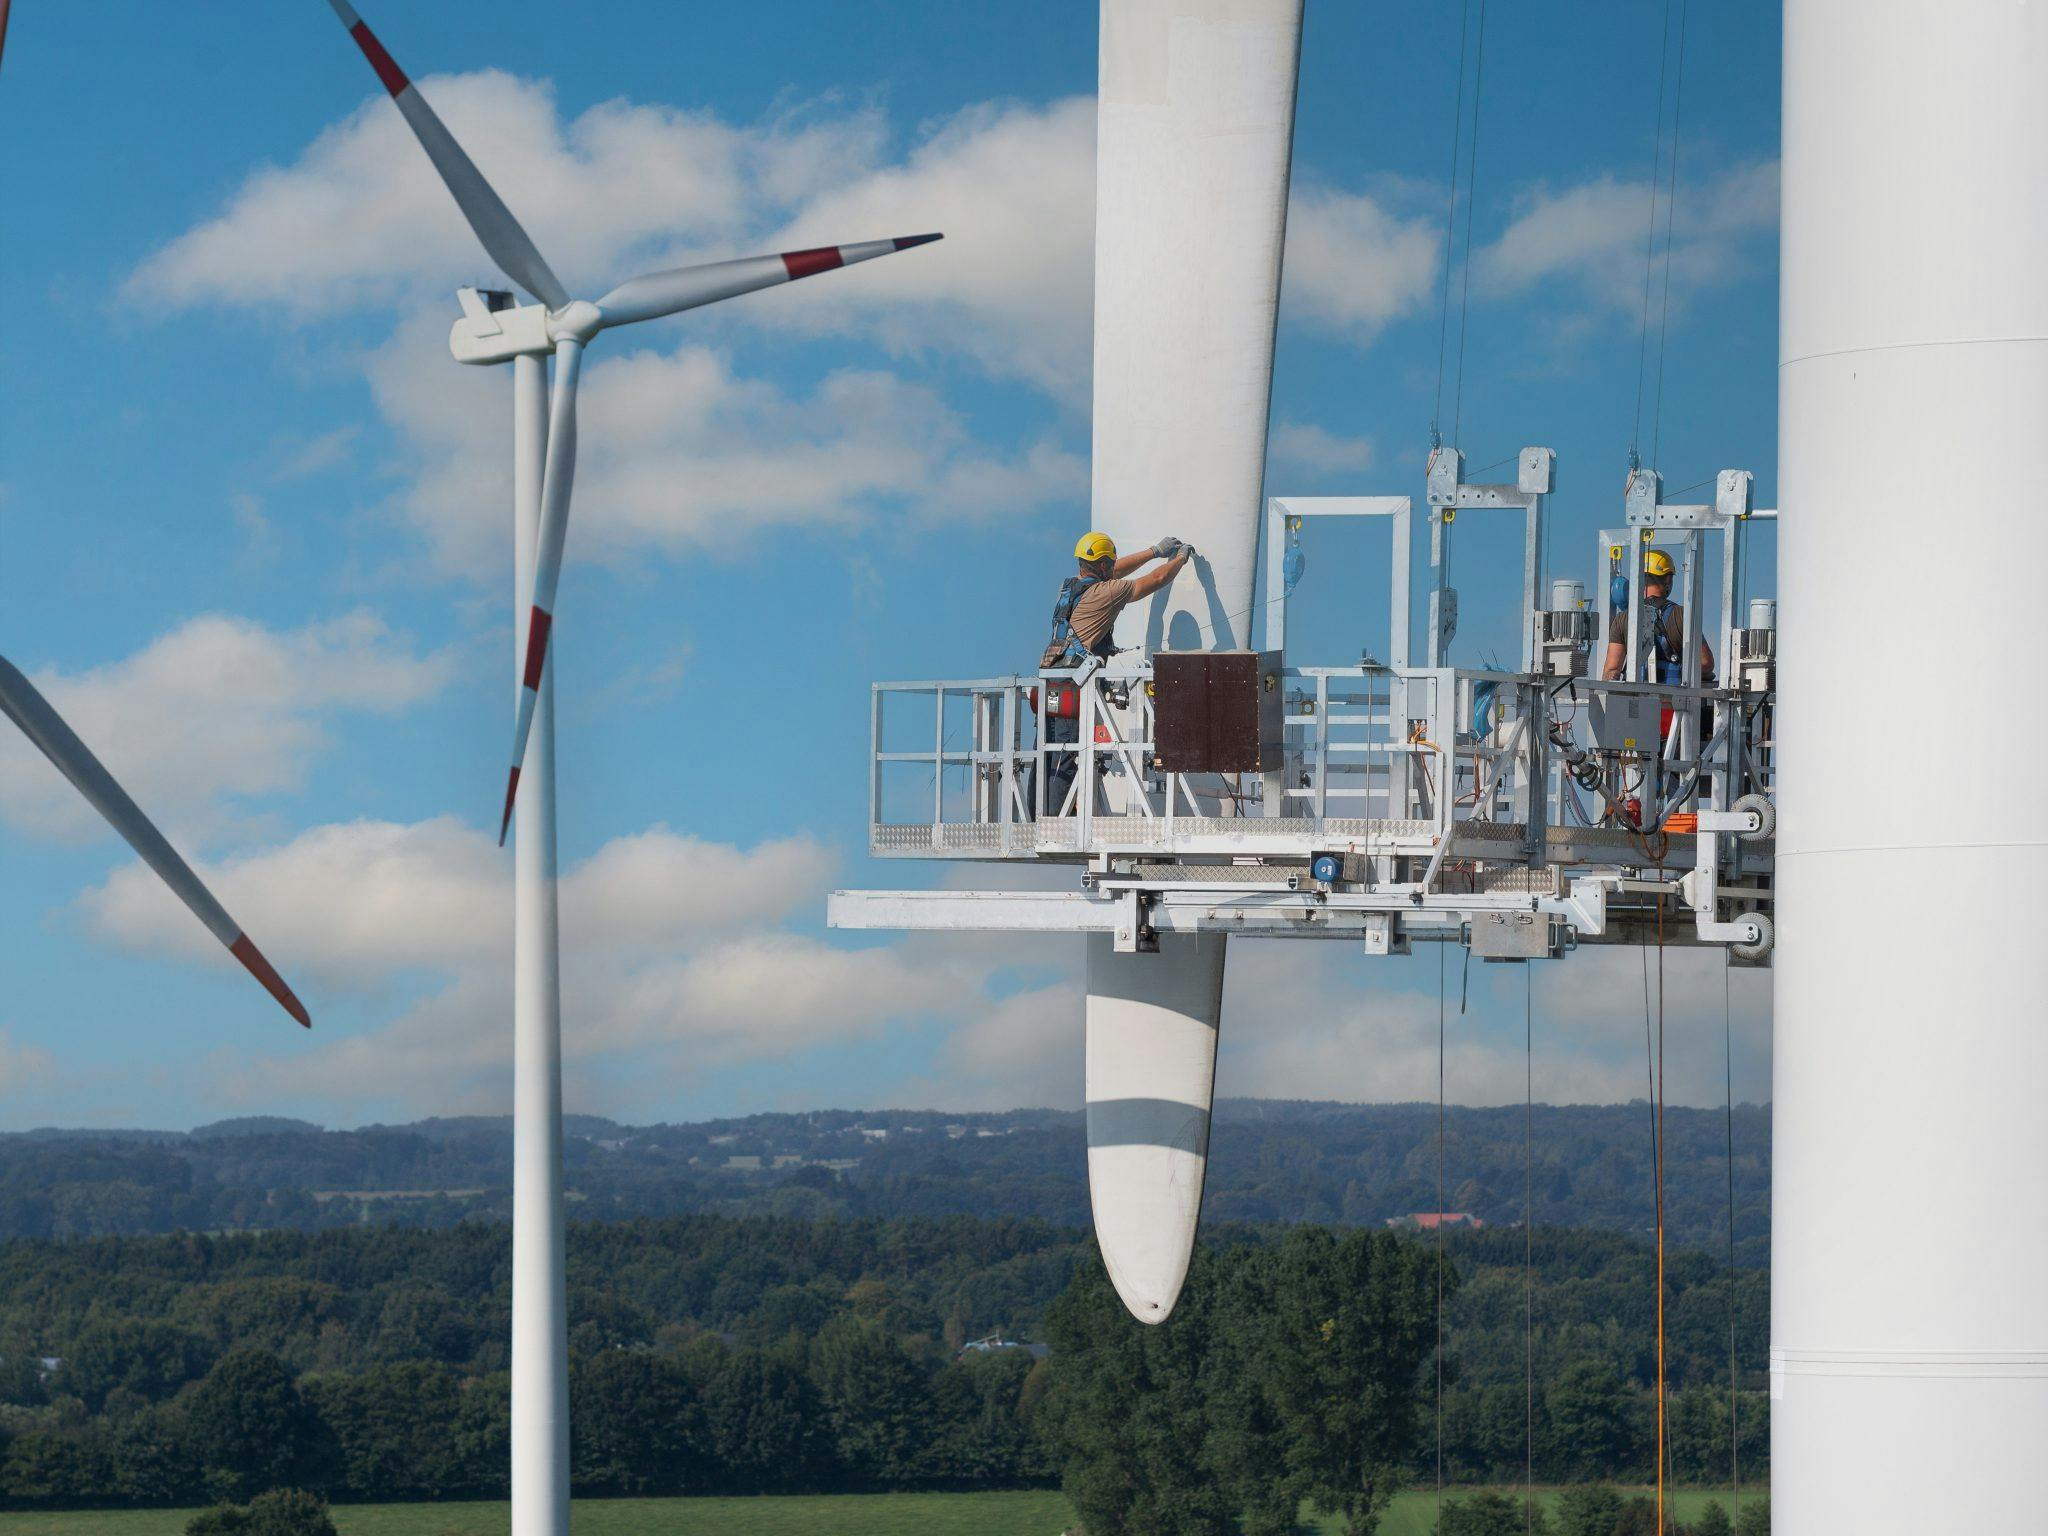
1674,627
1094,616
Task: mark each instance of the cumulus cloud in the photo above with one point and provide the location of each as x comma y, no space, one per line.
673,953
22,1067
1355,263
216,712
361,217
1591,235
680,449
1305,448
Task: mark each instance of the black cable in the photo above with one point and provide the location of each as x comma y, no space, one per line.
1670,213
1635,432
1440,1234
1471,208
1443,321
1728,1071
1529,1245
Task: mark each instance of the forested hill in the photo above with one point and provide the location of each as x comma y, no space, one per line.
1271,1161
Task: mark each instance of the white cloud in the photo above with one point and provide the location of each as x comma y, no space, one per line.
361,216
22,1067
1013,189
353,904
1592,235
1354,264
1306,448
678,449
217,711
672,955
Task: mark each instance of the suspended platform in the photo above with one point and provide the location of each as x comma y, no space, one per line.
1519,812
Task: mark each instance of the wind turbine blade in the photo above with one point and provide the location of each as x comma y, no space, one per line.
558,479
3,28
508,244
654,294
28,709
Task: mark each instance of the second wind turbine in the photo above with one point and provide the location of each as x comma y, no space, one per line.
543,471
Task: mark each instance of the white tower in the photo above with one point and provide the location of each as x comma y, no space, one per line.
1909,1309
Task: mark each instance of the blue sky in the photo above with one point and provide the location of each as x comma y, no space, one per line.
253,524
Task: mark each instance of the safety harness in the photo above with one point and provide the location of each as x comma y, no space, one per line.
1670,665
1066,649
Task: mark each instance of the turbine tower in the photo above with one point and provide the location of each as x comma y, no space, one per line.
544,469
1195,126
1909,1059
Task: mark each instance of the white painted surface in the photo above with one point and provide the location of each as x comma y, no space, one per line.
1195,120
1151,1075
1909,1317
1194,130
540,1327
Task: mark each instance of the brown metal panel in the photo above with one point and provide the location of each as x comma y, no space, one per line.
1180,709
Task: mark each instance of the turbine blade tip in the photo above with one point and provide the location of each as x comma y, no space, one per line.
511,794
254,962
905,242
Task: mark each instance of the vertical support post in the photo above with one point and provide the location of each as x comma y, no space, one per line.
1400,765
874,758
1276,574
540,1314
938,765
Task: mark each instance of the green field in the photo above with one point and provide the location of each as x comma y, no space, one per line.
882,1514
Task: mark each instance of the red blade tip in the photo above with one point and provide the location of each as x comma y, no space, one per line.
387,68
537,629
252,958
511,793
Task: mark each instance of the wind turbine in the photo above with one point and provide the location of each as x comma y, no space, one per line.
27,708
544,468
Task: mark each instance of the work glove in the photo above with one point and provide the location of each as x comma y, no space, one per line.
1168,547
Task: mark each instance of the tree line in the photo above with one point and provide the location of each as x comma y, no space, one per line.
717,1354
1329,1164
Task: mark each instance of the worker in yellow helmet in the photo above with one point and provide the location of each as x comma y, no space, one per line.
1663,630
1083,621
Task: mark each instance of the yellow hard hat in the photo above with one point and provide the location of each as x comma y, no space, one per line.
1094,547
1657,563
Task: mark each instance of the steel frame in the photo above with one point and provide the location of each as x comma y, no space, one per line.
1397,814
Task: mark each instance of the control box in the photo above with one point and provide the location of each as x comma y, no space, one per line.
1627,722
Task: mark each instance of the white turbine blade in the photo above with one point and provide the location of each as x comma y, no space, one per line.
1194,124
1150,1082
508,244
1193,130
28,709
654,294
558,479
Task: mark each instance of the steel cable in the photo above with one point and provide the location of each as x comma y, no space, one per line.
1635,432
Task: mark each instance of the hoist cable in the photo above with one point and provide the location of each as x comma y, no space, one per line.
1662,1444
1728,1072
1670,214
1471,210
1439,1234
1443,317
1528,1247
1650,234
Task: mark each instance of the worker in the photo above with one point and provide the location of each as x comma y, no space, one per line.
1083,622
1663,630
